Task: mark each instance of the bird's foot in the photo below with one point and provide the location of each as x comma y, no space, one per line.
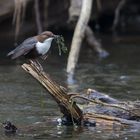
36,65
44,57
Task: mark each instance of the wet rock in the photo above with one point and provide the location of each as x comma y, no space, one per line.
89,123
9,128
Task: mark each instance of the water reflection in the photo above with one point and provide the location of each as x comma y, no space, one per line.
24,102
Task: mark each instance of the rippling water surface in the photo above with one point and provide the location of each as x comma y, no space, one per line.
24,102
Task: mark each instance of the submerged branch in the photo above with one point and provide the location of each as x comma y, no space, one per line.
121,106
82,30
94,43
79,35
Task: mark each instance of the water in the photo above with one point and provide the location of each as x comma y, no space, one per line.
24,102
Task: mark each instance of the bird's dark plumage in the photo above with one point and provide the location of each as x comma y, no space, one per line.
33,47
23,48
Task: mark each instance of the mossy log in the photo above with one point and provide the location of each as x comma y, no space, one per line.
96,108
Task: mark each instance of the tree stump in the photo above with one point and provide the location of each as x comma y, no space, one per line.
67,106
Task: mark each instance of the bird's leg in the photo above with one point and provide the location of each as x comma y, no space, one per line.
44,57
33,62
40,66
36,64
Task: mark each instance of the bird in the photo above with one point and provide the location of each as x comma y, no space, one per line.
34,47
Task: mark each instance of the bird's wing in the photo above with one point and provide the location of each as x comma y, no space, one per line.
23,48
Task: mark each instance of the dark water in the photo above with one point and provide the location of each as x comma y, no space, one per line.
24,102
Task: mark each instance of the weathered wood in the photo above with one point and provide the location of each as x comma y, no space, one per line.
110,121
79,35
67,107
91,111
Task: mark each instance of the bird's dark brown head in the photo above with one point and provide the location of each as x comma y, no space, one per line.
44,35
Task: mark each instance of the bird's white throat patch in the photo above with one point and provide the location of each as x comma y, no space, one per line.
44,47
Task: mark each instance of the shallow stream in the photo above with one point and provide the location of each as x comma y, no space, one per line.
25,103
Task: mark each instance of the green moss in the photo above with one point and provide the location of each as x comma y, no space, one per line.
61,44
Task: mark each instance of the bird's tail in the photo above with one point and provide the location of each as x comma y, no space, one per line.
10,53
16,53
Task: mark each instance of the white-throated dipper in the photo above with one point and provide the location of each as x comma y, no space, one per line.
34,47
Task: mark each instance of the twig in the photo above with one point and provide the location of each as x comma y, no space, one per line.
38,18
123,122
117,14
101,103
